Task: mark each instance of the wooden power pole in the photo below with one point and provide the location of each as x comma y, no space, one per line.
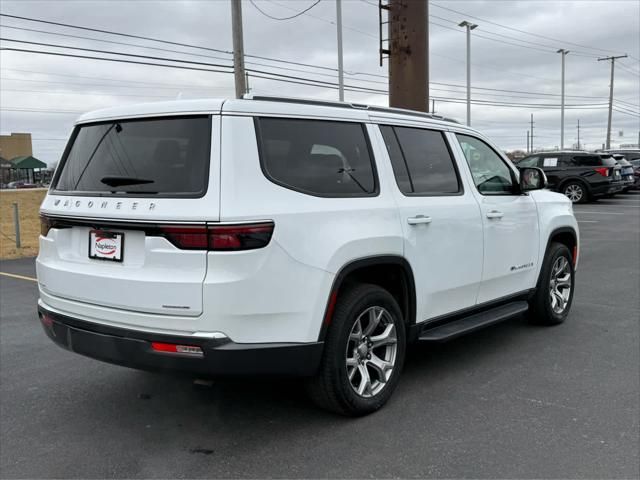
409,54
238,48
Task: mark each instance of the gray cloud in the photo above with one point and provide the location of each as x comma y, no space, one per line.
56,84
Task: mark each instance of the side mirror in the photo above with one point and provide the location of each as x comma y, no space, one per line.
532,178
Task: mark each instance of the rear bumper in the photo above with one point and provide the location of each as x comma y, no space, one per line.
605,189
220,356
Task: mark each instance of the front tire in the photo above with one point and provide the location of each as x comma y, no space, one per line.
554,293
363,353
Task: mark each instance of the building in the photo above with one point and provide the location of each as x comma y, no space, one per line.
15,145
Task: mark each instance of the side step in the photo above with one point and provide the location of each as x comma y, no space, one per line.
476,321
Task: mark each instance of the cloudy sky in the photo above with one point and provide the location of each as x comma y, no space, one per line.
515,70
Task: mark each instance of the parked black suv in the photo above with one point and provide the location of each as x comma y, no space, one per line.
581,176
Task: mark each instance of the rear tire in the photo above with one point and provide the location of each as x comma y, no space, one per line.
554,294
576,192
363,352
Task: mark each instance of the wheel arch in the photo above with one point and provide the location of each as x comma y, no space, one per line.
574,179
391,272
566,236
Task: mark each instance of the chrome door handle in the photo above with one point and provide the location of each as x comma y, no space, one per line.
495,214
418,219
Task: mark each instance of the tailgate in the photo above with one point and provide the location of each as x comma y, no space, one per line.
118,200
143,271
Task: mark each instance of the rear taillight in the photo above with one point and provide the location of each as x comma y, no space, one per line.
45,225
604,171
240,237
246,236
186,237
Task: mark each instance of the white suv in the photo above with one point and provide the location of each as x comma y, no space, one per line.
292,237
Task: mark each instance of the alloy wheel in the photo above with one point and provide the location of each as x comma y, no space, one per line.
560,285
574,192
371,351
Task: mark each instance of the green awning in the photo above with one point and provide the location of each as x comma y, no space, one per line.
27,162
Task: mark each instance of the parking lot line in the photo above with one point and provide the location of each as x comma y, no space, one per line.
598,213
634,205
20,277
588,221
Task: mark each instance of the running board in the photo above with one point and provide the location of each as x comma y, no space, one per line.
476,321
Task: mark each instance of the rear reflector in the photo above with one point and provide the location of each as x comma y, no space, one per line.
604,171
193,350
246,236
46,320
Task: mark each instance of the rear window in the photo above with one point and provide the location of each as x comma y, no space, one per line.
163,157
594,160
317,157
421,161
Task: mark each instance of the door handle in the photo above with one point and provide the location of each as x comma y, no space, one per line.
495,214
418,219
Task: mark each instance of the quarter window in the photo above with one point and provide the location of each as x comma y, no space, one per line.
317,157
490,173
421,161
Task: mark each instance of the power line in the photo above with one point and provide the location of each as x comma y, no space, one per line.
564,42
284,18
331,22
258,73
80,27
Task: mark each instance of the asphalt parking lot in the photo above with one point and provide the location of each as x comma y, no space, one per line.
512,401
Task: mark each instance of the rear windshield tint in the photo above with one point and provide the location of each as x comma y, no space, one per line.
159,156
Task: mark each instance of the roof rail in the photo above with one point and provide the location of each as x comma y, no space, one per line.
357,106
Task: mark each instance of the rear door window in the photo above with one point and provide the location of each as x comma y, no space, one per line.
151,156
317,157
587,160
421,161
566,161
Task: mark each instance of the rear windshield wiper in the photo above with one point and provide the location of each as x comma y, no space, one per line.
120,181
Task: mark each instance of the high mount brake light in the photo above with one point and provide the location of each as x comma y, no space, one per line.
246,236
604,171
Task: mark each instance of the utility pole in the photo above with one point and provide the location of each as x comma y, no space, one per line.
238,48
613,61
578,134
528,141
564,54
469,26
340,65
531,133
408,54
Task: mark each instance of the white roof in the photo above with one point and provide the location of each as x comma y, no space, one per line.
174,107
274,107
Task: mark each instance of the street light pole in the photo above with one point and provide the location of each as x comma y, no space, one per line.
564,53
340,64
469,26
